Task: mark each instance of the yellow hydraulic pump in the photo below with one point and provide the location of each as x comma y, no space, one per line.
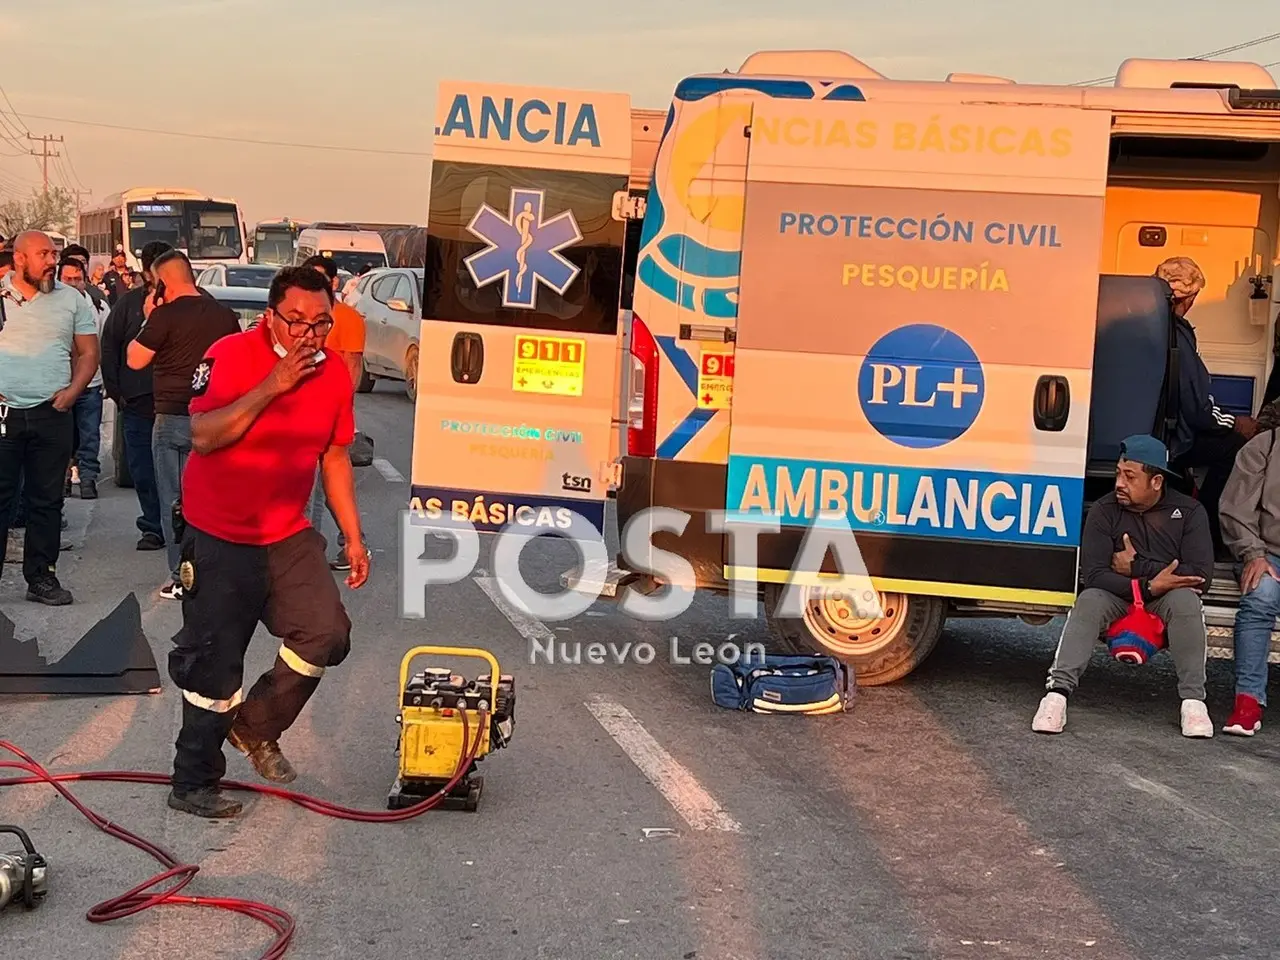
433,745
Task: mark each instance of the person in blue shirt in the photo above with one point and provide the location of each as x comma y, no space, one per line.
48,356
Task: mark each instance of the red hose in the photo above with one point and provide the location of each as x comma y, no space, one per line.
178,874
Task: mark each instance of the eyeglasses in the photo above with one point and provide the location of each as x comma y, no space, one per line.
300,328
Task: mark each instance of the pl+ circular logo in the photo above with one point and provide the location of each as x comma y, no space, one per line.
921,386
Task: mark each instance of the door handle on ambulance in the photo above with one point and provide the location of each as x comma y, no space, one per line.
467,357
716,334
1052,403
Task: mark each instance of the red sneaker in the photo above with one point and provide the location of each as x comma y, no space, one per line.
1246,718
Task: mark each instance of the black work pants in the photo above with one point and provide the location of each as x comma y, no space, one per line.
1216,454
34,452
289,588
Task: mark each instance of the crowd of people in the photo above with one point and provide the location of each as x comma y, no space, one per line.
79,336
1148,549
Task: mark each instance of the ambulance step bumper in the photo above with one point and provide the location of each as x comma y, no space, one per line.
599,580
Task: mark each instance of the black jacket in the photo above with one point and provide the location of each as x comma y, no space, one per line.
132,387
1176,528
1197,413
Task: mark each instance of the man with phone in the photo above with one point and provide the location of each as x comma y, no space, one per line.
1145,533
265,410
181,325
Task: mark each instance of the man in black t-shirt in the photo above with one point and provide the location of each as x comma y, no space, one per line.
181,326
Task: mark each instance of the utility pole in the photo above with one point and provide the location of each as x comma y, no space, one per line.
45,154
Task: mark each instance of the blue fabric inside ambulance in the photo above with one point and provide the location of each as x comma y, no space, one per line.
1131,352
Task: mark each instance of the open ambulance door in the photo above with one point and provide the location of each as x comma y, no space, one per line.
914,351
518,371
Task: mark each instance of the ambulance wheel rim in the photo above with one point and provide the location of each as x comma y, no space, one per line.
832,616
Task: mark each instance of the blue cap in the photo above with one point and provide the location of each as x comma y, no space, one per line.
1145,450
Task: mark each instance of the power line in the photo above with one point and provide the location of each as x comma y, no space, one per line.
1255,42
248,140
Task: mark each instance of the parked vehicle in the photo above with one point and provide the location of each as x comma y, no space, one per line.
391,302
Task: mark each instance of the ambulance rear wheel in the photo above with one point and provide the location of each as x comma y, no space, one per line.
411,374
881,650
366,379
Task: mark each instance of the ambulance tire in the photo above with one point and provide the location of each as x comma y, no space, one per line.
915,623
366,379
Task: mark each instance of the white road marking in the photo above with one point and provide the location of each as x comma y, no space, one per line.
532,629
682,790
388,471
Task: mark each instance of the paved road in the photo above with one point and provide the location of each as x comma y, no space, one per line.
927,823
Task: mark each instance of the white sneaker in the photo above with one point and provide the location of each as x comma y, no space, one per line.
1052,715
172,592
1195,719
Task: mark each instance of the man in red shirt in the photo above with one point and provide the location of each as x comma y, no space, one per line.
267,405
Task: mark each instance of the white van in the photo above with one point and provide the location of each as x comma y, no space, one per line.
351,248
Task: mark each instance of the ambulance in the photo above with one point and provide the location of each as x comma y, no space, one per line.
808,290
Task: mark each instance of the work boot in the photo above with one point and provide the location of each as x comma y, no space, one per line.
49,591
88,489
265,756
207,802
151,541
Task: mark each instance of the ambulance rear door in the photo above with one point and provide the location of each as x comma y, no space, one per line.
518,370
915,340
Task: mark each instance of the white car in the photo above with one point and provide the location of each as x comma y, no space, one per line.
390,299
237,275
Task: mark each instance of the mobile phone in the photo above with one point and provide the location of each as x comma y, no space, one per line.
159,294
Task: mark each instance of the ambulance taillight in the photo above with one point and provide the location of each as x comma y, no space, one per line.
642,392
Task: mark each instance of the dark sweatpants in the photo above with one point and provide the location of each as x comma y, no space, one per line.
289,588
1216,454
1095,610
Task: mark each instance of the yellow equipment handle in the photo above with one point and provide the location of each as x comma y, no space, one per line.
474,653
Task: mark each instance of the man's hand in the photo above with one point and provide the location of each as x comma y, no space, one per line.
65,399
1167,581
149,304
1247,427
358,557
1122,562
293,368
1254,572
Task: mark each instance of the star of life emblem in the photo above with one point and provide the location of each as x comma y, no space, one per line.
200,379
524,250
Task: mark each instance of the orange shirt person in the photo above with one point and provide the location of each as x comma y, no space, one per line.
346,340
348,334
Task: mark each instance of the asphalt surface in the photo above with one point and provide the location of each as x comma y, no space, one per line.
929,822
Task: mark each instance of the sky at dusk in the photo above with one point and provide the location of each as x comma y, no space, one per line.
363,73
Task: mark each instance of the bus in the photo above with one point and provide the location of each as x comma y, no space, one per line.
274,241
209,230
922,311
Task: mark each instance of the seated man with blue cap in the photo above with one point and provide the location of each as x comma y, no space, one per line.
1143,536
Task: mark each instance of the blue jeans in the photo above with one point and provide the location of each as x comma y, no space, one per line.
88,416
1255,620
318,506
142,469
170,447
